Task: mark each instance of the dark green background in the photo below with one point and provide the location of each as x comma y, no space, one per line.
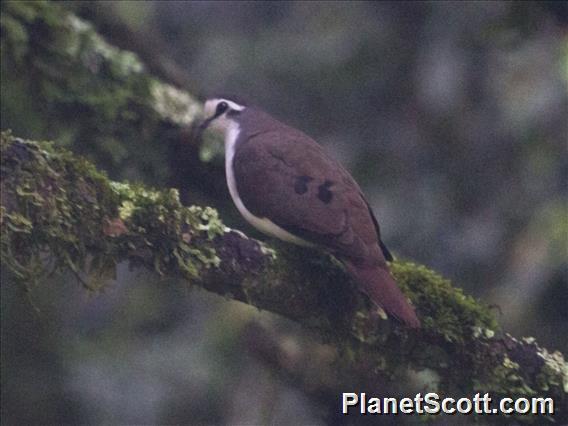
452,116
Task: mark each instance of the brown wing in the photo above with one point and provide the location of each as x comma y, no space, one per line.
292,182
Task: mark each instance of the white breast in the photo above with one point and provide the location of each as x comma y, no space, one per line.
262,224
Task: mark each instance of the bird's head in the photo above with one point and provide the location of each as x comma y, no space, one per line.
221,113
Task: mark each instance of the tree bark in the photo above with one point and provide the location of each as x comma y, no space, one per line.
59,212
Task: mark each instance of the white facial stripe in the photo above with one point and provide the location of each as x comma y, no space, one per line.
211,106
232,105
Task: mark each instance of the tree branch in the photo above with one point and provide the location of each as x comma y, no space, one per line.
104,102
58,210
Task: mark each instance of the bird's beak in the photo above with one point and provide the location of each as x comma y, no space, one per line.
209,112
203,126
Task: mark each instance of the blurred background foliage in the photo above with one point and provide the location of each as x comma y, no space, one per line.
452,116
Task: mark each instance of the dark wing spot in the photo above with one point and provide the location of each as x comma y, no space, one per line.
324,194
301,185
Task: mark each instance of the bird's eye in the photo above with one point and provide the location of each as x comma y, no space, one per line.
221,108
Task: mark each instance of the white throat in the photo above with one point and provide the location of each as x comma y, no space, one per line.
262,224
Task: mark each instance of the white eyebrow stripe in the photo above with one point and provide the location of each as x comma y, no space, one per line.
231,104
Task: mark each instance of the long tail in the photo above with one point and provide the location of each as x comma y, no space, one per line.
381,288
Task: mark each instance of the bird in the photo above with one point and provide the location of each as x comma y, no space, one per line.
285,185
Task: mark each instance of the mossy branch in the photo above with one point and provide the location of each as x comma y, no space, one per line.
99,100
58,212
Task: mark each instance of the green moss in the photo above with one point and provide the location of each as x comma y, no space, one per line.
106,104
42,208
59,212
443,308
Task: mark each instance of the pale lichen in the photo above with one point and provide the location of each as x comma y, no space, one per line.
174,105
106,104
56,203
554,372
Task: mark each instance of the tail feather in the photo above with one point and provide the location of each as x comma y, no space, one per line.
382,289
